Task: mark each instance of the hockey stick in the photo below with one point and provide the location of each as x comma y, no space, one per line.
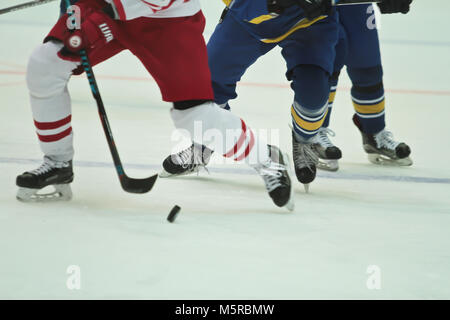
25,5
128,184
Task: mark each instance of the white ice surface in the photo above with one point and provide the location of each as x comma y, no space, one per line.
229,240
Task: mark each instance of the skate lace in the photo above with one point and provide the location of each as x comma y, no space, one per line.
304,155
189,159
47,166
271,174
386,139
322,137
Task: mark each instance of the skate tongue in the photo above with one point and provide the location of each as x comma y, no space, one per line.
307,157
44,168
48,165
271,172
184,157
322,137
386,139
189,156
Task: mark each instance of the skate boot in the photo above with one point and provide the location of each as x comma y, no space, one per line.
328,153
50,173
187,161
382,149
275,174
305,161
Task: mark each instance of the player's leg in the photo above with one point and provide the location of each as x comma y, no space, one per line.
47,77
309,54
181,70
328,153
365,70
364,67
49,70
231,50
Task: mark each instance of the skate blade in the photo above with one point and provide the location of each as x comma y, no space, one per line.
62,192
306,186
164,174
290,206
381,160
328,165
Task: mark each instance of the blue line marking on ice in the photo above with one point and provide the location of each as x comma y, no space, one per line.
325,175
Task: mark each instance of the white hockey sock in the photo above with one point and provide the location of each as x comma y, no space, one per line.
223,132
47,78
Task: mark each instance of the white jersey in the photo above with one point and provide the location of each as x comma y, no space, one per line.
132,9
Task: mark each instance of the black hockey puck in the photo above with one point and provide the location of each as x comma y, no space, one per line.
173,214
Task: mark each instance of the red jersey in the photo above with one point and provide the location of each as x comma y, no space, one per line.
131,9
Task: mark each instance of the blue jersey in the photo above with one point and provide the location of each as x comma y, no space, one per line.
268,27
361,40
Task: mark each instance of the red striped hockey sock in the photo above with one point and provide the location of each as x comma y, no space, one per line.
222,131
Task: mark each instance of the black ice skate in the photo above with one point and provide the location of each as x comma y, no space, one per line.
328,153
305,162
275,174
50,173
382,149
187,161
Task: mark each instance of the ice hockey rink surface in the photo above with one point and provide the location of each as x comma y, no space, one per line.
230,241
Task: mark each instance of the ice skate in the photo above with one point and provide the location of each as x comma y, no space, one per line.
275,174
52,173
328,153
382,149
305,161
187,161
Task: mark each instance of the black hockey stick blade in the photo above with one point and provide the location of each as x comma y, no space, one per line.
137,185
